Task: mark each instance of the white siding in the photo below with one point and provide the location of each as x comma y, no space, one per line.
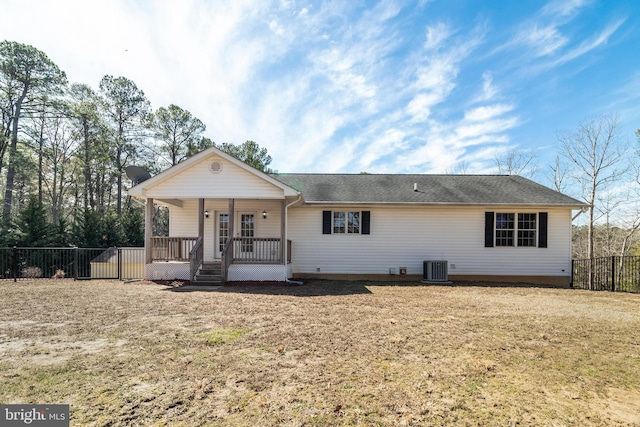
198,181
405,237
183,222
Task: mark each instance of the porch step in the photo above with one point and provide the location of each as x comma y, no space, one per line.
210,274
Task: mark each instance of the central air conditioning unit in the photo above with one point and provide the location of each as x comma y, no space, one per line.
435,272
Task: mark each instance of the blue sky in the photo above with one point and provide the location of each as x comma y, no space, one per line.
424,86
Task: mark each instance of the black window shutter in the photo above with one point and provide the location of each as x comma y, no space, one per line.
366,222
488,229
326,222
542,229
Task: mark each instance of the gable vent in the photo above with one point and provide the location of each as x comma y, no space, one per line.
215,167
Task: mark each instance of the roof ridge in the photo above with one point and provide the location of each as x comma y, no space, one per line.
392,174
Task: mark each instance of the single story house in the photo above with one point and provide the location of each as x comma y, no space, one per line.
231,222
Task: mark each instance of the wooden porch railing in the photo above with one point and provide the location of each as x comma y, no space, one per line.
196,256
227,257
257,250
172,248
260,250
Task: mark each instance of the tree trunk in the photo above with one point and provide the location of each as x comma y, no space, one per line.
13,149
6,135
40,147
87,171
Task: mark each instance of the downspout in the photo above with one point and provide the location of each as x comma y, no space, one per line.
286,238
580,212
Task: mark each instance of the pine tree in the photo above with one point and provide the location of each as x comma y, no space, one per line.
31,227
133,226
87,229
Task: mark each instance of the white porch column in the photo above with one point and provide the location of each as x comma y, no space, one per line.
231,225
283,234
148,231
201,218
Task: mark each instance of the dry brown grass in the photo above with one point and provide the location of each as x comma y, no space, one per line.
325,353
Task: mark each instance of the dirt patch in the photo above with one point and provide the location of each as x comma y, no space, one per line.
50,353
324,353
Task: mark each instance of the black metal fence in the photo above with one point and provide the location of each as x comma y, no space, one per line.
616,273
19,263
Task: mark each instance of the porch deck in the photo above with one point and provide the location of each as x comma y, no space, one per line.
249,258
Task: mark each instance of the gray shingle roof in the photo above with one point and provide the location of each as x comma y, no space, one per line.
432,189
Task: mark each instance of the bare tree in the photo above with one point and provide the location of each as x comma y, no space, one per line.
631,219
460,168
517,162
58,174
597,154
559,174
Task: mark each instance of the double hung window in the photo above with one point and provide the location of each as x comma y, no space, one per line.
526,229
515,229
346,222
505,226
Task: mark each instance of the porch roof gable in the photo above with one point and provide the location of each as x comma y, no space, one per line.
173,172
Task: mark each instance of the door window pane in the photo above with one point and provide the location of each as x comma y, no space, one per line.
223,231
246,231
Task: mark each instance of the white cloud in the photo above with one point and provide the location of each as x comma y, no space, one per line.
419,108
547,40
437,68
562,8
436,35
592,43
542,41
489,90
466,132
487,112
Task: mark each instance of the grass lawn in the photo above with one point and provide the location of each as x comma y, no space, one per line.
321,354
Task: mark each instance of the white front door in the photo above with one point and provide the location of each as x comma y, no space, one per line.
245,226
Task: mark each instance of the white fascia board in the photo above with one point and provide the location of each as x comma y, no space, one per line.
139,190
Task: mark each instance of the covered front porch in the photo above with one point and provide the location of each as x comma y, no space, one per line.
219,240
226,218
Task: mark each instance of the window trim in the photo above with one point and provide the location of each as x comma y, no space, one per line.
538,240
362,222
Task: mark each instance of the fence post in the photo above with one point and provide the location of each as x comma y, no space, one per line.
573,267
119,263
75,263
613,273
14,264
